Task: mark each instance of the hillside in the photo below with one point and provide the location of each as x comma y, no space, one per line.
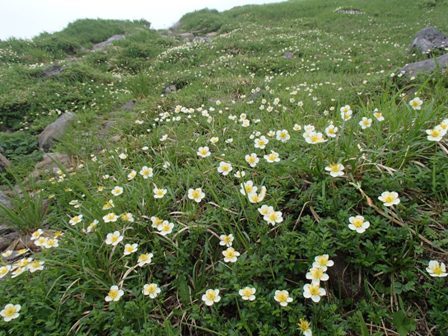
266,170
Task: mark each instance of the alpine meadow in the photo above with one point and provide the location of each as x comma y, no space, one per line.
277,169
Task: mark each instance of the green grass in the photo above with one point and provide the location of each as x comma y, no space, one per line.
378,284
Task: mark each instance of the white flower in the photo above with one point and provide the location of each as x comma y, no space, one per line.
10,312
203,152
358,224
144,259
282,136
378,115
436,134
346,112
159,192
196,194
436,269
316,275
117,191
252,159
114,294
122,156
211,296
261,142
114,238
282,297
110,217
313,291
35,265
247,188
152,290
416,103
75,220
272,157
273,217
365,123
230,255
4,270
146,172
335,169
226,240
165,228
331,131
323,261
247,293
36,234
224,168
132,175
257,198
130,248
389,198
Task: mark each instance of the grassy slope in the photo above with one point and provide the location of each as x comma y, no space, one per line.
379,276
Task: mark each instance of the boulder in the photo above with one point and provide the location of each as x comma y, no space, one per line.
428,40
55,131
4,199
108,42
187,36
4,162
52,71
170,88
425,66
50,164
288,55
129,105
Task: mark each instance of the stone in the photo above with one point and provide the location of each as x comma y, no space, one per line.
426,66
52,71
350,11
428,40
50,163
4,200
170,88
55,131
108,42
7,239
187,36
288,55
4,162
129,105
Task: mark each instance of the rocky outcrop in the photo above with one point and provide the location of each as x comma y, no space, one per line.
55,131
170,88
50,163
4,162
52,71
426,66
107,43
428,40
4,199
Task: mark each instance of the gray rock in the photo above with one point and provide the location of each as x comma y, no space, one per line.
7,239
170,88
350,11
425,66
129,105
52,71
4,200
108,42
187,36
429,39
50,163
4,162
288,55
55,131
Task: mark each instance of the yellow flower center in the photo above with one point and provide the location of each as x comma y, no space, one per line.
437,270
211,296
317,273
113,294
304,325
247,292
282,297
334,168
357,222
10,311
435,133
389,199
314,290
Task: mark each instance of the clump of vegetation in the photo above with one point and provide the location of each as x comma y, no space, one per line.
291,184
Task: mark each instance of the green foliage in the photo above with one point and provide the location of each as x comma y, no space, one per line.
378,281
